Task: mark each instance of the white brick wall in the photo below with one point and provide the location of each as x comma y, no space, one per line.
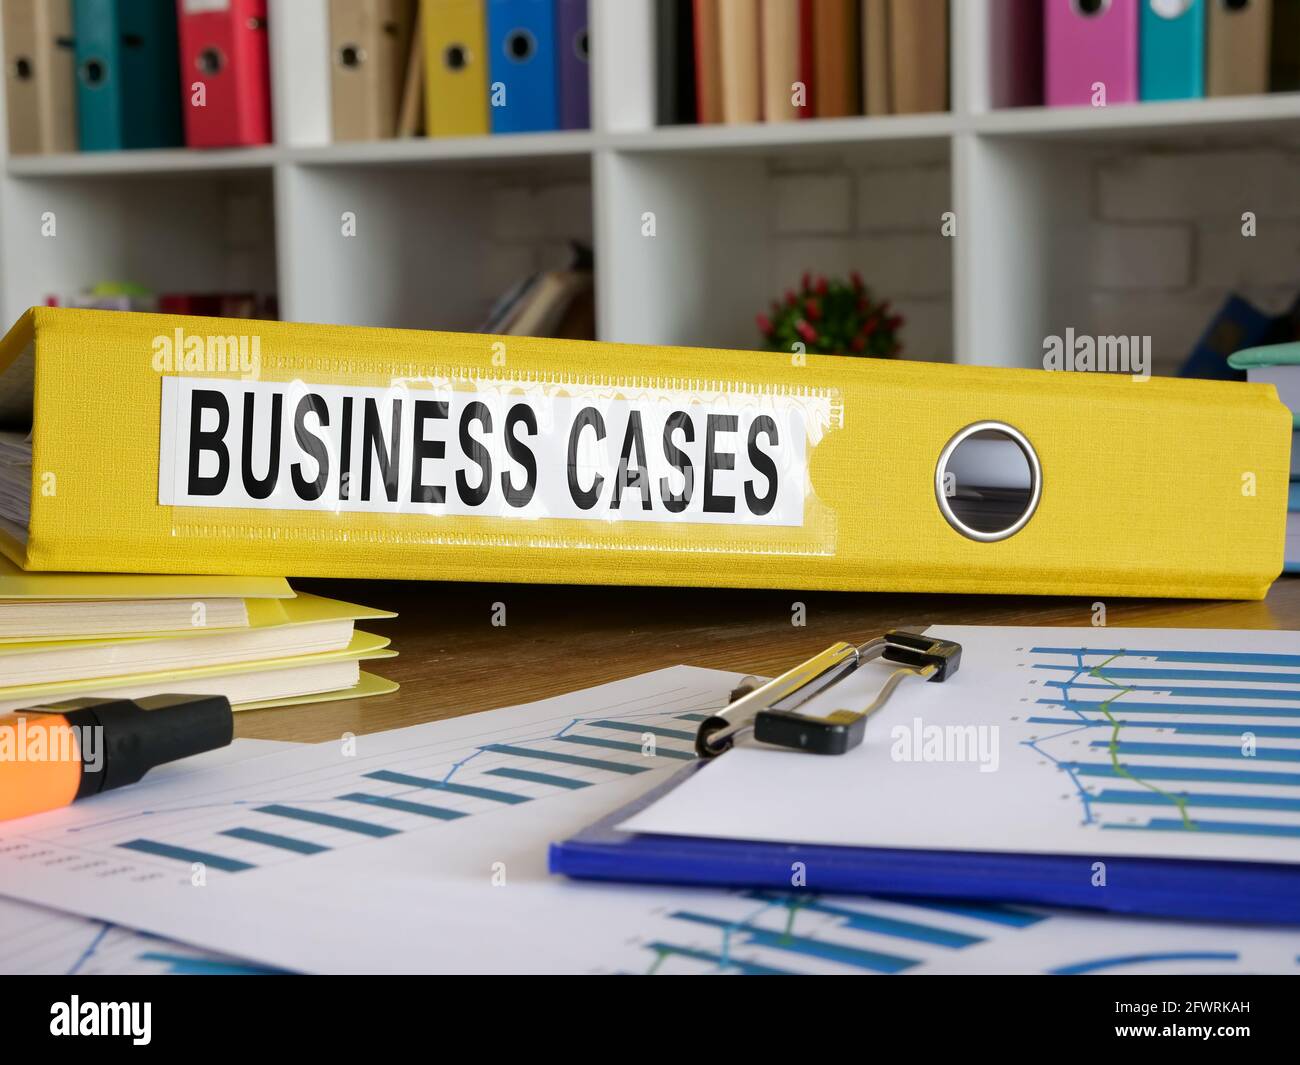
1167,245
882,221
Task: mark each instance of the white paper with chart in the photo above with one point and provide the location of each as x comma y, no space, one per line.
425,851
1176,743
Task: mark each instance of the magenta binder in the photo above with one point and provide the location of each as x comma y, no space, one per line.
1090,52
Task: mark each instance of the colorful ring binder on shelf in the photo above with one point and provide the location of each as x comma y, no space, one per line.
166,443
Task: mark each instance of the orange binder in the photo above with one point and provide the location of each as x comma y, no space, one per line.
835,48
708,61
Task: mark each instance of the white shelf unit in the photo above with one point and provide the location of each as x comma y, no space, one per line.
1057,223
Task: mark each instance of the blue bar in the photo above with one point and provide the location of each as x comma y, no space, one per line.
1099,964
886,926
1235,802
745,967
1240,658
1208,709
1204,750
566,759
620,745
403,806
270,839
315,817
1140,673
1173,689
1163,772
1190,728
658,731
180,965
692,717
871,960
390,777
184,854
1230,828
993,912
538,778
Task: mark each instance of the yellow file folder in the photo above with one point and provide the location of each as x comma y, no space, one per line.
171,444
456,67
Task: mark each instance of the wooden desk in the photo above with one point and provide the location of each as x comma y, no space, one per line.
454,661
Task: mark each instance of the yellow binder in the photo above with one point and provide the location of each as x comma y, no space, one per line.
177,444
456,65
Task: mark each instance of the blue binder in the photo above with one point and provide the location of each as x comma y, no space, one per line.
128,74
1207,891
522,67
1171,39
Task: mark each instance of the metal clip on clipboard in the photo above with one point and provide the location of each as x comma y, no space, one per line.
770,709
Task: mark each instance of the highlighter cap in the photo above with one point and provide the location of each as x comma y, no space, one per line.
134,735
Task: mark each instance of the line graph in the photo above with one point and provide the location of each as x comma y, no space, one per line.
1158,740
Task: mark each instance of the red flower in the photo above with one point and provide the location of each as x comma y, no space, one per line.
856,279
812,310
806,281
870,325
862,304
764,324
790,297
893,322
857,344
822,286
806,331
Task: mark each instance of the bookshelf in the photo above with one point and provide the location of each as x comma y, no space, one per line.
740,211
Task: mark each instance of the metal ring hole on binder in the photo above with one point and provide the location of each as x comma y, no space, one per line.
988,481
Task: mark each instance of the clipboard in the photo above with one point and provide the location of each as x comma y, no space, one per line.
1196,889
1239,892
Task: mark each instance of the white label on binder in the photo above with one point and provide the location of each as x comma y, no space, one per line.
493,448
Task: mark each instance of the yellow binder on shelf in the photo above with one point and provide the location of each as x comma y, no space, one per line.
456,65
182,444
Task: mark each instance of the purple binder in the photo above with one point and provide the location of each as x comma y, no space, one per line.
571,40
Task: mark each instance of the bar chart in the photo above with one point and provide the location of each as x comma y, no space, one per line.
757,933
1171,741
335,801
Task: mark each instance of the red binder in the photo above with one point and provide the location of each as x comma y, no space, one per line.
224,49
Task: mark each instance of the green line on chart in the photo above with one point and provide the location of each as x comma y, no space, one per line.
1179,802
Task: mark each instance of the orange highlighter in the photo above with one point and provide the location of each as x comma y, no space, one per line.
53,755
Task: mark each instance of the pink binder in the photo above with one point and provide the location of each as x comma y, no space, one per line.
1090,48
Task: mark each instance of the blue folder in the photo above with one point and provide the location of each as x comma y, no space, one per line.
522,64
1172,42
1253,892
128,74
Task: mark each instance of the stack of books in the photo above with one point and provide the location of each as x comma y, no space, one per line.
1279,365
251,639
